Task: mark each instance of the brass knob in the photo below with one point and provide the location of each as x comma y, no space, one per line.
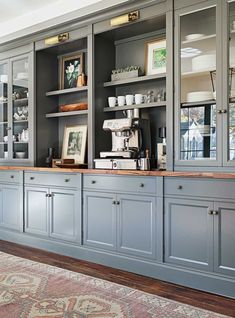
142,185
93,181
12,177
223,111
117,202
66,180
32,178
114,202
219,111
210,211
215,212
180,187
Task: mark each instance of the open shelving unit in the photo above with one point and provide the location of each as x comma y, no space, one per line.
140,106
67,91
135,80
65,114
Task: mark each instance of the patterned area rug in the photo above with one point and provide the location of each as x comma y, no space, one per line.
33,290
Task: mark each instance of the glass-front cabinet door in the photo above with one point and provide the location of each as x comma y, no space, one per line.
197,93
4,107
229,84
16,110
20,108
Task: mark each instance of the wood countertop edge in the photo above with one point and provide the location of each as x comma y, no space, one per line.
213,175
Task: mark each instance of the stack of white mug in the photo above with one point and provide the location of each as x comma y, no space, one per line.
126,100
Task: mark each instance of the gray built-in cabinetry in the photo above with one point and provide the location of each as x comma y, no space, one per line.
11,200
53,205
121,214
199,224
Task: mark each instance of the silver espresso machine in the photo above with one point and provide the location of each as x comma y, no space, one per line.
130,136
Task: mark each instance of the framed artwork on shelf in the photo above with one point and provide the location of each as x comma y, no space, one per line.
74,143
71,67
155,57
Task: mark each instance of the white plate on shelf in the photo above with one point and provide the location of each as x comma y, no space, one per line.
200,96
22,76
194,36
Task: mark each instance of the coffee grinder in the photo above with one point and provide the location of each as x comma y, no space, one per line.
161,149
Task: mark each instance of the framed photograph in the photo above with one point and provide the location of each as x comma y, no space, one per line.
74,143
155,57
70,68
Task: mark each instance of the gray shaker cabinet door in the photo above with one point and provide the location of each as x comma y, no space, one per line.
36,210
224,223
137,225
10,207
99,220
189,233
65,214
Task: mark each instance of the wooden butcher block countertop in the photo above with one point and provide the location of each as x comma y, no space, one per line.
215,175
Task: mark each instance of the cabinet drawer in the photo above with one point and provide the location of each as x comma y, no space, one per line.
72,180
10,176
200,187
121,183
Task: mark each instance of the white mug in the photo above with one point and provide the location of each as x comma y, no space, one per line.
138,99
5,154
121,100
129,99
5,138
112,101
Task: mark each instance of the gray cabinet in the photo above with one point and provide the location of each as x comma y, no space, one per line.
53,209
99,220
136,228
11,199
199,231
36,210
125,223
16,114
224,238
189,233
205,86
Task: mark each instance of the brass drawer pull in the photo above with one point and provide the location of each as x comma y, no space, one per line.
66,180
210,212
12,177
180,187
142,185
215,212
32,178
93,181
117,202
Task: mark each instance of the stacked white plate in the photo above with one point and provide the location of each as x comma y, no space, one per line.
204,62
194,36
200,96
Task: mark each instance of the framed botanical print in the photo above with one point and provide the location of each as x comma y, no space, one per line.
74,143
155,57
70,68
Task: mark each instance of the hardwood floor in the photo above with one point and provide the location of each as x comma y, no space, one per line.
182,294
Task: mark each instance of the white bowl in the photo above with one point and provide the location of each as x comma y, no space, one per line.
194,36
20,154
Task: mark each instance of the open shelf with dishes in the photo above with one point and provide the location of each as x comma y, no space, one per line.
127,85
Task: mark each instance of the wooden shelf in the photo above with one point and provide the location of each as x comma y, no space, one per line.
201,103
136,80
67,91
140,106
63,114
